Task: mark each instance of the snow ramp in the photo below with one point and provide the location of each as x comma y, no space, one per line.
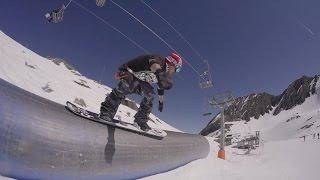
40,139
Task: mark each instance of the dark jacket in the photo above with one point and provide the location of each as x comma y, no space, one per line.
144,63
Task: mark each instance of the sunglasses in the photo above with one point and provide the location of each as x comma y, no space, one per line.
177,69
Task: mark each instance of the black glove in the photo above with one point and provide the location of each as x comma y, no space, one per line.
164,82
160,92
160,108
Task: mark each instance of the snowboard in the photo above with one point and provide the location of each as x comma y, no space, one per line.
116,123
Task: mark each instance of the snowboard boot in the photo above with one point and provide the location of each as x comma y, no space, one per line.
107,111
142,116
110,106
142,125
106,116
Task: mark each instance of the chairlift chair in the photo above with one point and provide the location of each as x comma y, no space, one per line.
100,3
56,16
222,100
205,79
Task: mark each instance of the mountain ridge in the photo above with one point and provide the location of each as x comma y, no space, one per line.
259,104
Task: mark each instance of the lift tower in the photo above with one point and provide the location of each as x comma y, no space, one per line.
222,101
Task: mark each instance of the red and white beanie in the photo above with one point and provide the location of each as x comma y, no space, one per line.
175,60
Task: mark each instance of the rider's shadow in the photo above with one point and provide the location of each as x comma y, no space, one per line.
109,150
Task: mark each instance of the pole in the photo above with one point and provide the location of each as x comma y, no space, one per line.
221,153
222,101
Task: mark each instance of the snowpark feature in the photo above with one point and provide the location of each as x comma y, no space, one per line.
40,139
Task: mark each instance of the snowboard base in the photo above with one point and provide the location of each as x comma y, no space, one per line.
116,123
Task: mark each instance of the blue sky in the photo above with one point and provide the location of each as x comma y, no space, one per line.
252,46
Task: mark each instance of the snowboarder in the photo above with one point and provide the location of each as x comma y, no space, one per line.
137,77
318,135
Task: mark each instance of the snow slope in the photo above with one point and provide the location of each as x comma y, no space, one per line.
280,160
56,80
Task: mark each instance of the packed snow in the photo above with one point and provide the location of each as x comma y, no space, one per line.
281,160
57,81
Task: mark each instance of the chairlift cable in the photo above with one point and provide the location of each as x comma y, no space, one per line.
183,38
175,30
154,33
111,26
186,41
67,4
128,38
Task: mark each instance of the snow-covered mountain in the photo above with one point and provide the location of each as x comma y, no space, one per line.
294,113
58,81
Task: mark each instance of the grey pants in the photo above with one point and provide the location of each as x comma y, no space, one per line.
129,85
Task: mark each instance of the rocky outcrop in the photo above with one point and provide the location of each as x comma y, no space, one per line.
256,105
296,93
253,105
58,61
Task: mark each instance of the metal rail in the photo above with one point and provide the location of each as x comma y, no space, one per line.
40,139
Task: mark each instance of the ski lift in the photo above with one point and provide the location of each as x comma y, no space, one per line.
222,100
205,79
207,114
100,3
56,16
